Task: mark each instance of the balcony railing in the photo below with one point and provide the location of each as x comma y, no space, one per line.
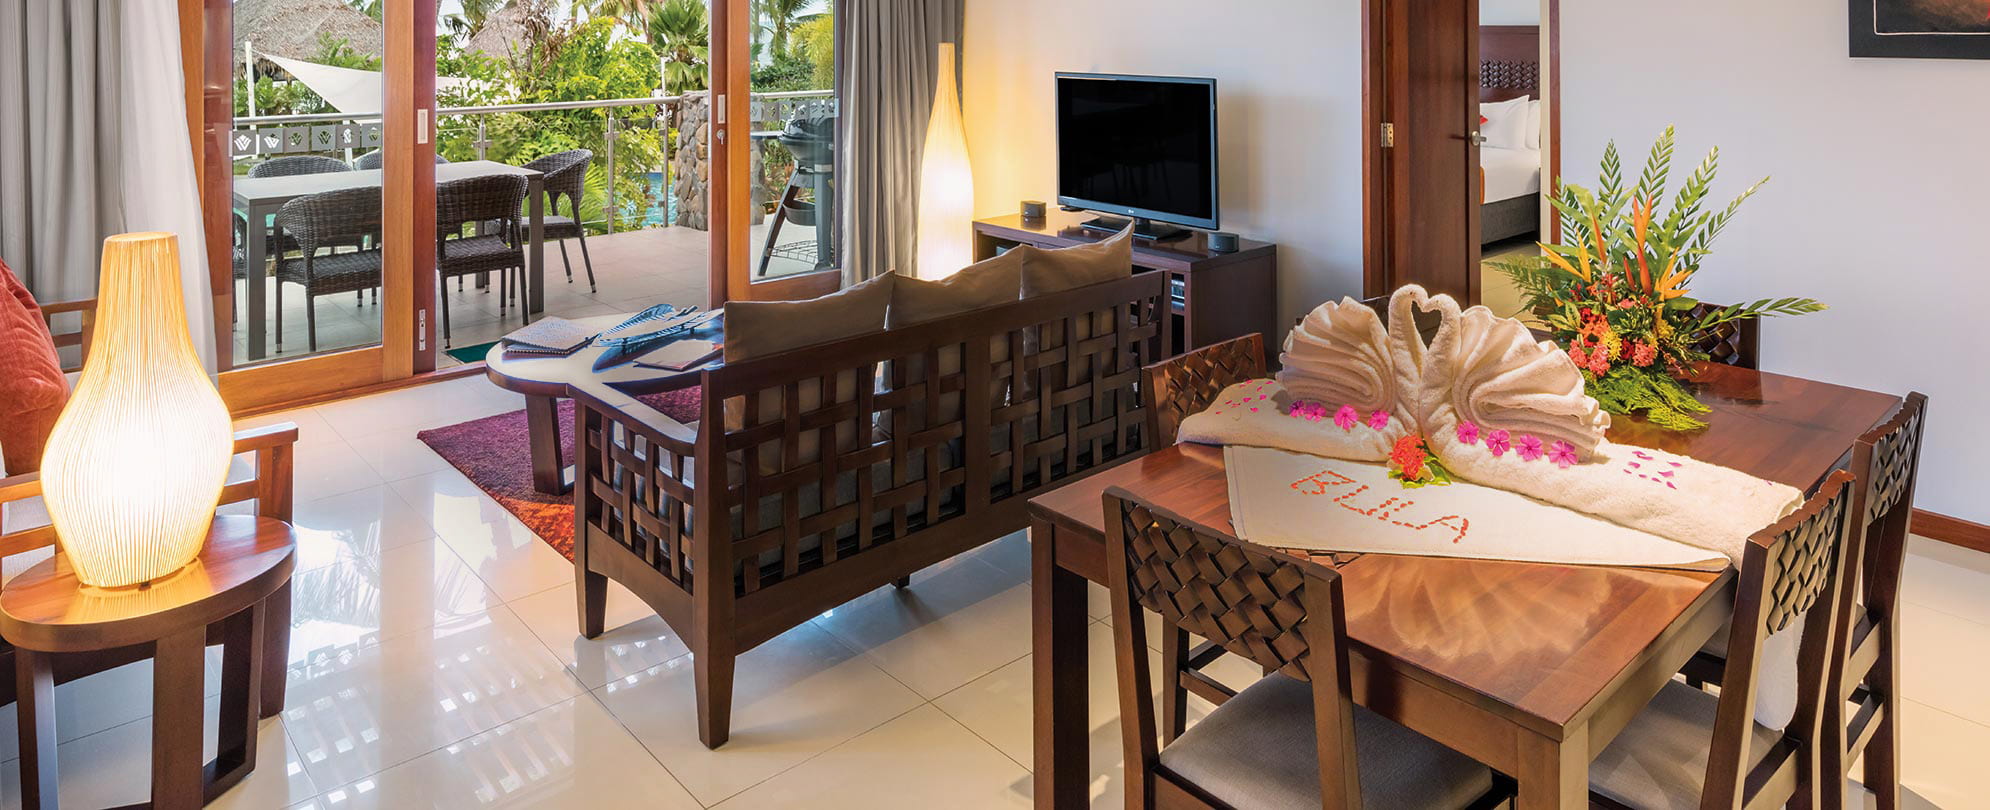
496,132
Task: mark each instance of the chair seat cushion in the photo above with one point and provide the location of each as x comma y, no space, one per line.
32,386
1259,750
1659,761
335,272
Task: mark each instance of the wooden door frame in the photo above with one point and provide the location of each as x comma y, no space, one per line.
1378,80
408,94
731,186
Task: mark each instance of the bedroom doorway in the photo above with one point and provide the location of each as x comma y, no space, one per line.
1460,147
1513,85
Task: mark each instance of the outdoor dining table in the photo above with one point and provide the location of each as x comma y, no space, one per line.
258,198
1529,668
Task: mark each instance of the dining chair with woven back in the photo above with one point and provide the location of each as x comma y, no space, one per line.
491,203
1691,749
1294,738
345,225
566,177
293,165
1864,717
378,159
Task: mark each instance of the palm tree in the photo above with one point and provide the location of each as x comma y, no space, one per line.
780,17
475,13
371,8
630,13
680,32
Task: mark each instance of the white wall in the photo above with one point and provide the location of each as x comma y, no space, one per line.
1510,12
1289,99
1879,206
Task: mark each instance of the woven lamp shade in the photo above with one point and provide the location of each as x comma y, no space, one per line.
136,462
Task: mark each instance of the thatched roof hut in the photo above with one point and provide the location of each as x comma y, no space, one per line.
506,32
294,28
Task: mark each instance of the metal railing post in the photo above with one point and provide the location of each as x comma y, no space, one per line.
608,135
483,139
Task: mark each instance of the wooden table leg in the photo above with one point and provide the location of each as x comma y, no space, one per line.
178,701
542,419
276,651
35,689
1554,774
1058,675
242,674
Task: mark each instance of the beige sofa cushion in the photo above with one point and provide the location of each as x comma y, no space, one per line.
757,329
1051,271
760,328
985,283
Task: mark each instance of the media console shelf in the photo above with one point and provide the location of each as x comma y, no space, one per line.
1217,296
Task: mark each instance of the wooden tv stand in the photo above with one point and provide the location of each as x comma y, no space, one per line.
1217,296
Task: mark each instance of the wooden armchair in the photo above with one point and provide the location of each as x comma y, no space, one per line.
269,488
86,311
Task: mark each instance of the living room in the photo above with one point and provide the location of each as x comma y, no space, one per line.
815,403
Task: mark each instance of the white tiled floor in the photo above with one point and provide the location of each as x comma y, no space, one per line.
435,663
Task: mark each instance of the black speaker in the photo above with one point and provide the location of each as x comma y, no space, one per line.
1033,209
1222,242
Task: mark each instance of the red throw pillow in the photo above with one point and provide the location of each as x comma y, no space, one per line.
32,386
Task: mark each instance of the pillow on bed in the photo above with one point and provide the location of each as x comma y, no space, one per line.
1506,123
1534,124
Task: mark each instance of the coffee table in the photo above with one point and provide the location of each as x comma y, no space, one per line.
546,380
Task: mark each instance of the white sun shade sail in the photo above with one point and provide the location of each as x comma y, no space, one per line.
350,90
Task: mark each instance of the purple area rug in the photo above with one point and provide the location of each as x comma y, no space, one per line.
493,452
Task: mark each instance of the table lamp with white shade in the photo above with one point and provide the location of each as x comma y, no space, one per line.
136,462
946,181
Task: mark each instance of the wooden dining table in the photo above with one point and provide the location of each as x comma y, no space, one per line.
1529,668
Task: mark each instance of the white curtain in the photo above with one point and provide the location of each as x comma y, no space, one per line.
93,142
161,191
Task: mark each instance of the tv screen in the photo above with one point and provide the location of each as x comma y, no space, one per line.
1140,146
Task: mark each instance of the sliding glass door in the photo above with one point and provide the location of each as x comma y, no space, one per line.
328,184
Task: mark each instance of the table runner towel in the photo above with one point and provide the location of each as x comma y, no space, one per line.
1291,500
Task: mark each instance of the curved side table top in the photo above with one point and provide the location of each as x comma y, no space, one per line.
246,559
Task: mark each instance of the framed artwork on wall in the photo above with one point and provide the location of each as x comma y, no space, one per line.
1921,29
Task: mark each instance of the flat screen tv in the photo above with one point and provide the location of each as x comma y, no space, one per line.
1138,146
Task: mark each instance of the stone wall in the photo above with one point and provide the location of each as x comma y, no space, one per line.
691,171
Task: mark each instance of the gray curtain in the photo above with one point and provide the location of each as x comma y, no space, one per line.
59,157
885,86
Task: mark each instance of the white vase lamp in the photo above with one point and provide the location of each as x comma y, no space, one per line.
946,181
137,460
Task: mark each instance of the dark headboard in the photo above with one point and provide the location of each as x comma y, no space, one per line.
1509,62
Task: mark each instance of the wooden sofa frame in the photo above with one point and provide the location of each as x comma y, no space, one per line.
735,535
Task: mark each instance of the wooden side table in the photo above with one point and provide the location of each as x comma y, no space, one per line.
232,587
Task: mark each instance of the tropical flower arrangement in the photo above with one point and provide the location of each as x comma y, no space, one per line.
1616,295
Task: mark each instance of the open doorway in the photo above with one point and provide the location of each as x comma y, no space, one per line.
1511,163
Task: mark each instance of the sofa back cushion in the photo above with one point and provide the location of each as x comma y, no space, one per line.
1050,271
756,329
32,386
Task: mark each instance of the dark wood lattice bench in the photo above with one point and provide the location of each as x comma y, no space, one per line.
846,467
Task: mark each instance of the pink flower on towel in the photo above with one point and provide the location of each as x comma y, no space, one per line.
1378,420
1562,454
1468,433
1346,417
1528,447
1309,410
1496,442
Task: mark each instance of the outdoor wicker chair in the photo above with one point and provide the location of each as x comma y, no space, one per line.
374,159
328,221
565,174
293,165
492,203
